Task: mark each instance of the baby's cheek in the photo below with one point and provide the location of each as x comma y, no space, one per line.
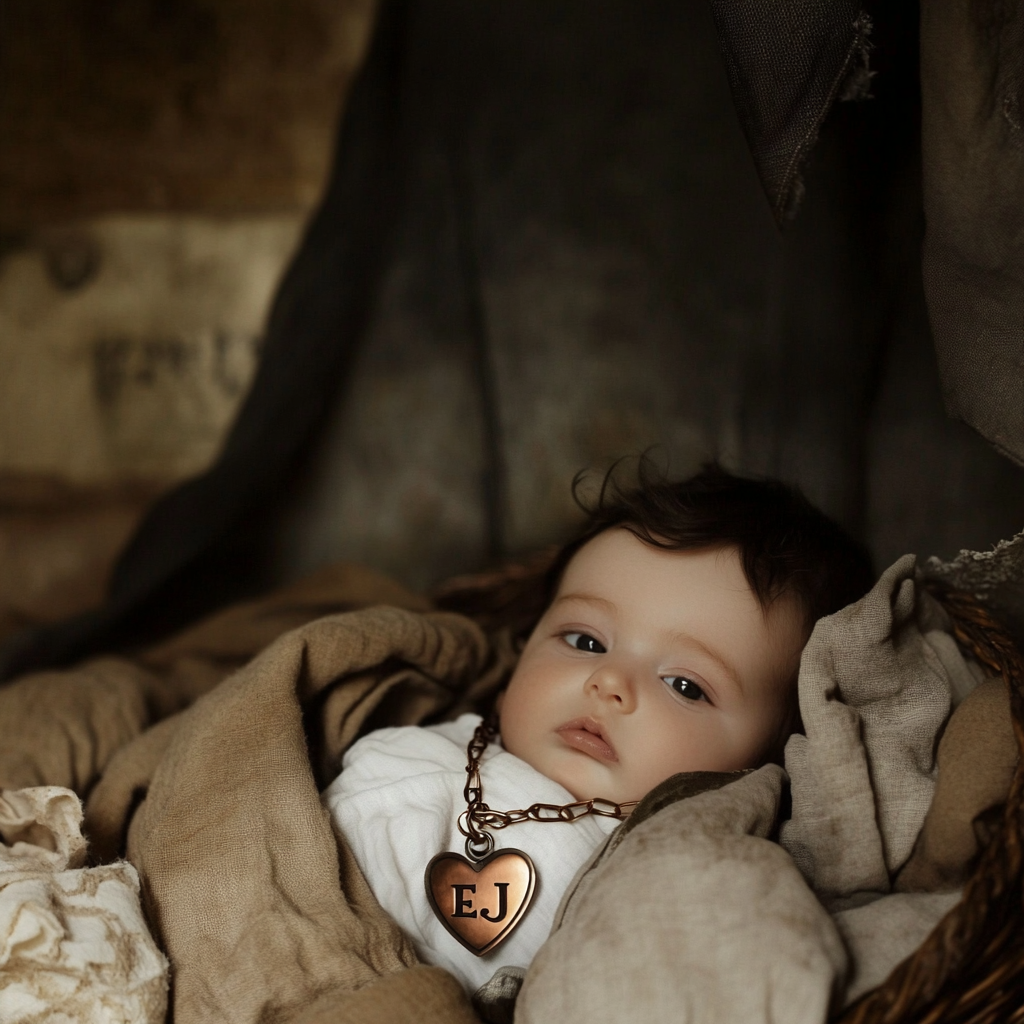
525,700
513,720
712,743
753,741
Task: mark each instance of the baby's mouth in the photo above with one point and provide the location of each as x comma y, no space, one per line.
587,736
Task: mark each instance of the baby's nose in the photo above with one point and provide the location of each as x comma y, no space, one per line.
614,684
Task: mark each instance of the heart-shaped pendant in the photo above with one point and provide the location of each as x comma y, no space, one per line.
481,904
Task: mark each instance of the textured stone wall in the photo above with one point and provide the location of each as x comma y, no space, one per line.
127,341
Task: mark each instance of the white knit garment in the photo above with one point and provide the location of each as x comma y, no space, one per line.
397,800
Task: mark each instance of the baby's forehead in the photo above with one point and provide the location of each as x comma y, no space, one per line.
618,553
617,546
701,594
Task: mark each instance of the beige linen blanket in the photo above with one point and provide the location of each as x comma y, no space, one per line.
261,911
204,768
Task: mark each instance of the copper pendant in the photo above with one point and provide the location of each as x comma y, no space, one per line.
481,904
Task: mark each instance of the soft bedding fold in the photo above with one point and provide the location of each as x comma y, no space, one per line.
240,864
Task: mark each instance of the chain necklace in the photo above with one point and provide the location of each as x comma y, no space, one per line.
451,879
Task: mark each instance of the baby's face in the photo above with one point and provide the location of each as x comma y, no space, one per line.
650,662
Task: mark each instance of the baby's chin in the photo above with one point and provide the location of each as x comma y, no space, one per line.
583,781
584,777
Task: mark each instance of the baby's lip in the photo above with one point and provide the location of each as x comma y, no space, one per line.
587,736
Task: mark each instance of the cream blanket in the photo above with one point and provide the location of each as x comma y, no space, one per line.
74,946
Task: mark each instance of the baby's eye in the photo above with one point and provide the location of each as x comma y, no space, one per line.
685,687
584,642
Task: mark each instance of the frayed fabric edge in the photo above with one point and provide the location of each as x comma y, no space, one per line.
852,84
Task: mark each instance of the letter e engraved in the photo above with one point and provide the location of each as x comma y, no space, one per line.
502,888
461,903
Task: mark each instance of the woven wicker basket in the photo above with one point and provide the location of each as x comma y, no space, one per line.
970,970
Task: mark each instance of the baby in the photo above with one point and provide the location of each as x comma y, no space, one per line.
666,638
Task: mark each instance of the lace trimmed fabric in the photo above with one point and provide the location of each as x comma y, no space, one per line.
74,946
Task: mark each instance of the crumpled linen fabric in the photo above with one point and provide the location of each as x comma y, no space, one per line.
74,945
697,917
977,757
881,934
261,908
259,903
877,683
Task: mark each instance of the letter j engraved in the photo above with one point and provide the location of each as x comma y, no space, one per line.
502,888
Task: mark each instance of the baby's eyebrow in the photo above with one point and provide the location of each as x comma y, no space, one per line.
719,659
589,598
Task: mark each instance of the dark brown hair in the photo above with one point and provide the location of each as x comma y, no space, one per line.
787,546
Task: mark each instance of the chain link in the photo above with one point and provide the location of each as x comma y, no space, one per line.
478,816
